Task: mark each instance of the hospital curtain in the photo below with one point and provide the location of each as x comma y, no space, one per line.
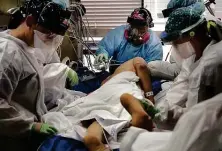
103,15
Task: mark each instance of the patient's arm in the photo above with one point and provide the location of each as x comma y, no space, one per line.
139,66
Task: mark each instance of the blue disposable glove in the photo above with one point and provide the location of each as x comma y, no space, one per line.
101,61
103,57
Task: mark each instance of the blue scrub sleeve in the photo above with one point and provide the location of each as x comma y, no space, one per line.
106,45
110,42
155,53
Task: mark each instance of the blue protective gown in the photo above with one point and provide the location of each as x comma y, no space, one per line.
115,44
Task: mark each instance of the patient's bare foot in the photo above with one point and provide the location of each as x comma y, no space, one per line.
142,120
93,144
139,117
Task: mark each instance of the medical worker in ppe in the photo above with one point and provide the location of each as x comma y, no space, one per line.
47,56
200,129
129,41
169,70
21,81
16,18
195,39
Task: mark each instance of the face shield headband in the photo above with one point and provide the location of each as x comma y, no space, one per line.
54,18
141,17
189,31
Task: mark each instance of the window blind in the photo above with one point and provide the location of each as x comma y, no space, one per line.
156,7
107,14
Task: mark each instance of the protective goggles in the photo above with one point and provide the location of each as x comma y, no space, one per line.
54,18
137,19
166,12
49,15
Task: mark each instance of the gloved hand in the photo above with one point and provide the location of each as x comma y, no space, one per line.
44,128
72,77
149,108
101,66
103,57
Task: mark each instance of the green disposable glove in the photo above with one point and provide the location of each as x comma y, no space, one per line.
44,128
72,77
149,108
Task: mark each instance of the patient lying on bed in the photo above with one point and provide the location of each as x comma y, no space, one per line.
113,107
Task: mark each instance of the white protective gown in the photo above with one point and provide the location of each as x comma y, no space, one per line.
200,129
55,75
196,82
56,95
163,69
27,91
21,87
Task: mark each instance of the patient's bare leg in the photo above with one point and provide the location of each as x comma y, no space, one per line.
93,139
139,66
139,117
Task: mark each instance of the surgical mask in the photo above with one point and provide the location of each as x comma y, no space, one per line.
185,50
47,43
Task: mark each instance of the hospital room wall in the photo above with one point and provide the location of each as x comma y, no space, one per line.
4,19
219,8
5,5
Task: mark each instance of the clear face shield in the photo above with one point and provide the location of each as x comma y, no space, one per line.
51,26
180,41
47,43
184,50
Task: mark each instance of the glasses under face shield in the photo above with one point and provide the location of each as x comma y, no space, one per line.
136,33
138,36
